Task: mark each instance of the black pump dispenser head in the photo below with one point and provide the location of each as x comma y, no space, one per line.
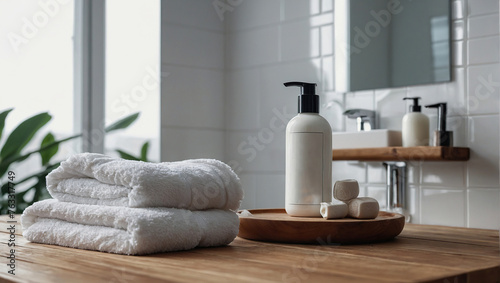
415,107
308,100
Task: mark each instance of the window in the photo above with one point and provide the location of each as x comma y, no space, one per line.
41,71
36,69
132,73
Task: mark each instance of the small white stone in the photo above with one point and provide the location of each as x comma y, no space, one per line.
333,210
363,208
346,190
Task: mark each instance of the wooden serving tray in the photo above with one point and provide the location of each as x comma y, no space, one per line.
275,225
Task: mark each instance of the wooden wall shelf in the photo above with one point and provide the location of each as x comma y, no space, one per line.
418,153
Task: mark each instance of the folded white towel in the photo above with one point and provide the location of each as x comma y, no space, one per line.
196,184
127,230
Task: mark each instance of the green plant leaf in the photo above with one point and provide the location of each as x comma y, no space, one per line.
3,116
126,155
49,152
22,135
4,164
144,151
122,123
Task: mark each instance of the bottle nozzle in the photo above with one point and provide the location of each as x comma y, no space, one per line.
308,100
306,88
415,107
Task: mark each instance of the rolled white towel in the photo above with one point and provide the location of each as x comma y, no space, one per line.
363,208
125,230
196,184
333,210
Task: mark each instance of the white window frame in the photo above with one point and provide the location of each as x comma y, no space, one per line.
89,73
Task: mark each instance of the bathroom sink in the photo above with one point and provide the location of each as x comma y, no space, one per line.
365,139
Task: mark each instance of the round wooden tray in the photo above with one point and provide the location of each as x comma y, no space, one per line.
275,225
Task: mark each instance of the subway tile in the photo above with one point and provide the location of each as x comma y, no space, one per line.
296,9
443,207
331,109
390,108
458,30
362,191
376,173
483,208
328,73
483,167
455,94
251,14
457,9
459,126
199,14
444,174
458,53
278,101
257,151
327,40
483,50
378,193
326,6
342,170
413,204
192,98
242,100
321,20
270,191
483,26
299,41
360,99
180,144
192,47
483,89
252,47
480,7
249,185
413,172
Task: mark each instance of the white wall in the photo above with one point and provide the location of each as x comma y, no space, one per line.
268,42
192,85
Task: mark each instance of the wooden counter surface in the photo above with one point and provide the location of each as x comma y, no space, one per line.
421,253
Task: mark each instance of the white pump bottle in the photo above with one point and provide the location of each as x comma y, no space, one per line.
308,156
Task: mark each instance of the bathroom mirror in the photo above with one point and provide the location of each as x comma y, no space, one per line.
391,43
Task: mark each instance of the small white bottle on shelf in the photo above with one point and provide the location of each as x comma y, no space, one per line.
415,126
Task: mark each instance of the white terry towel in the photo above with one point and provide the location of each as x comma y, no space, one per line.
196,184
125,230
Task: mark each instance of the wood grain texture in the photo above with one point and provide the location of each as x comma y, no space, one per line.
421,253
275,225
418,153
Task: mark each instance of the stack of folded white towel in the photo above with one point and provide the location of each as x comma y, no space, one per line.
132,207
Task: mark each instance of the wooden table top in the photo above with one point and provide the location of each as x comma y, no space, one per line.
421,253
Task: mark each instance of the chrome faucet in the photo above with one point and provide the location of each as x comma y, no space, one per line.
366,119
396,188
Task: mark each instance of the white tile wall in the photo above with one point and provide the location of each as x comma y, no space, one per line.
481,7
483,209
483,89
443,206
483,166
192,87
260,44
